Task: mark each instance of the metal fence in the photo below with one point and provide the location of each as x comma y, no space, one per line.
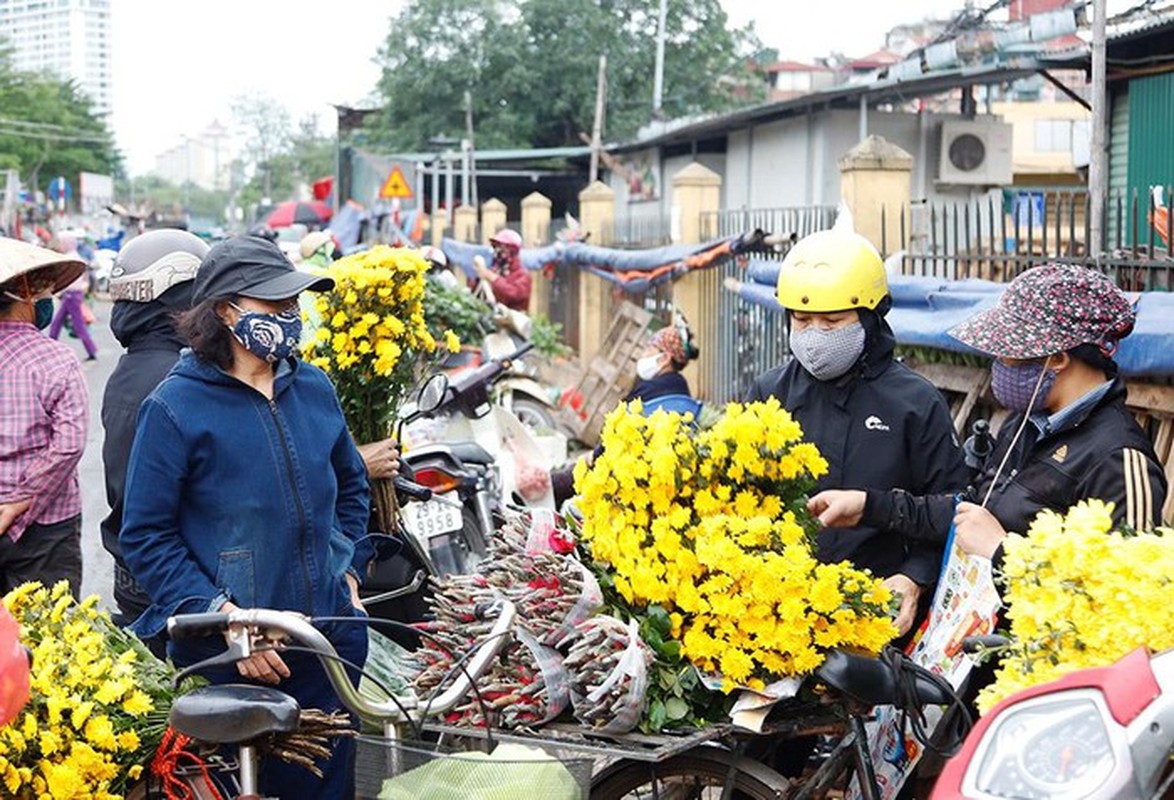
998,237
639,230
747,338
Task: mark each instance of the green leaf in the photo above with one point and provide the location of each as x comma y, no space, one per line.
670,650
676,709
656,715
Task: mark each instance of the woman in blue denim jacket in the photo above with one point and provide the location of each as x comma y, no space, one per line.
245,489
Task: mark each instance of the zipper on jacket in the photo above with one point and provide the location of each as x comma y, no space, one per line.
293,485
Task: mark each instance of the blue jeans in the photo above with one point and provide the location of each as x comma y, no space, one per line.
308,685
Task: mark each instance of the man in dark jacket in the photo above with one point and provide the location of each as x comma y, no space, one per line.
1070,438
150,282
878,424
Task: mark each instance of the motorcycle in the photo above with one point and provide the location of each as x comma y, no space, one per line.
1096,733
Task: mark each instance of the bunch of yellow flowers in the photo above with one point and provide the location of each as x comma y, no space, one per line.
98,701
712,525
369,333
1080,594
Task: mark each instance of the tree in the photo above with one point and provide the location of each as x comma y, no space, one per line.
267,128
531,68
167,198
48,128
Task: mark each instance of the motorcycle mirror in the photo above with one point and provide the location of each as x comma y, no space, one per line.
432,395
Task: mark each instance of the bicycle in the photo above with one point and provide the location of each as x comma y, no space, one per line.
719,761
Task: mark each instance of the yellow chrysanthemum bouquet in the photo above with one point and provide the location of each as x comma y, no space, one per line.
709,528
98,701
1079,594
369,334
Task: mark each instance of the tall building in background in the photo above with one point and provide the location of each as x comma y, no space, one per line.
70,38
202,160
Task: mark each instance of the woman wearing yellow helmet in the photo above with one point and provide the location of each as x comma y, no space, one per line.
876,422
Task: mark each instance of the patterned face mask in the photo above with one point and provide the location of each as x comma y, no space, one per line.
828,354
1013,385
270,337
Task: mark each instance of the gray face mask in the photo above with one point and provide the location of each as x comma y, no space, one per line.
828,354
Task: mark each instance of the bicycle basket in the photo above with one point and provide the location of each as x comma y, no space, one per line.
404,770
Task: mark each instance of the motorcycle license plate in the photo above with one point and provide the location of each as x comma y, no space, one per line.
432,518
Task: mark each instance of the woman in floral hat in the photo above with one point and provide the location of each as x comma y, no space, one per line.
1070,437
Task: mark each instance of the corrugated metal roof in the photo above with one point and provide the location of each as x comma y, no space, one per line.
519,154
842,96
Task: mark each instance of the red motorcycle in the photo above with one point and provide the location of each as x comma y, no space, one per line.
1097,733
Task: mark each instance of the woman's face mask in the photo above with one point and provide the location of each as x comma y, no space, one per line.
1014,384
42,308
828,354
270,337
649,367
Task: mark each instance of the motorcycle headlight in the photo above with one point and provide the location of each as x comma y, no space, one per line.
1047,748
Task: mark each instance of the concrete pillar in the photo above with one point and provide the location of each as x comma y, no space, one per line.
437,226
492,218
696,197
877,174
597,211
535,233
464,224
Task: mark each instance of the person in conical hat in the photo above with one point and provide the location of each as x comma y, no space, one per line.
43,427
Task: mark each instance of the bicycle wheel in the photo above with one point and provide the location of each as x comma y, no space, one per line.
699,774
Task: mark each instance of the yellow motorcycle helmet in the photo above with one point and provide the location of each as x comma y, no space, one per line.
832,270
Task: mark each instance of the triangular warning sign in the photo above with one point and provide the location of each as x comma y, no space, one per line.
396,186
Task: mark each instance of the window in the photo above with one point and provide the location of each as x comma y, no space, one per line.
1059,135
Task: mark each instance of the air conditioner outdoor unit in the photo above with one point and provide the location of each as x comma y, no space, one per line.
975,152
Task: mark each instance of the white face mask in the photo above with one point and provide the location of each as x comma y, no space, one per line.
648,367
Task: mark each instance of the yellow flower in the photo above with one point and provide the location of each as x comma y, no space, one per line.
138,704
451,342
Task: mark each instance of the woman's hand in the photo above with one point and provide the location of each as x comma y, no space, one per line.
10,513
908,592
265,666
356,601
977,531
838,508
380,458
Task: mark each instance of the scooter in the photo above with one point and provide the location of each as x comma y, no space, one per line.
477,453
1096,733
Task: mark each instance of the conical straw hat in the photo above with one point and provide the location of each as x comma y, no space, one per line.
19,258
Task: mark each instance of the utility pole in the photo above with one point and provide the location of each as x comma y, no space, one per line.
1098,157
658,78
597,127
472,177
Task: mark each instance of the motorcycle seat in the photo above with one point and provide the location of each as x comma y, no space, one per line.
871,681
233,713
471,453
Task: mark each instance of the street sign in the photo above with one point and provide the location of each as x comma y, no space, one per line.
396,186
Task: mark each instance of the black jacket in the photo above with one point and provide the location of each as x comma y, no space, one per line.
1100,453
880,426
147,331
671,382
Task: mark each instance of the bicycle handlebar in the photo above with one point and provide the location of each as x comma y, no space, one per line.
241,622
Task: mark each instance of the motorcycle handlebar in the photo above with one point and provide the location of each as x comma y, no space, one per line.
301,630
412,489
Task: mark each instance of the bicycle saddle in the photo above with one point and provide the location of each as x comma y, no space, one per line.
233,713
872,681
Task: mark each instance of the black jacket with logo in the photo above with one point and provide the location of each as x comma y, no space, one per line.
880,426
1100,453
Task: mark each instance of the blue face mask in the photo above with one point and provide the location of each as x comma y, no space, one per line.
1013,385
43,312
270,337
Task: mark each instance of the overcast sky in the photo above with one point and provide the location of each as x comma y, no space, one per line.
178,65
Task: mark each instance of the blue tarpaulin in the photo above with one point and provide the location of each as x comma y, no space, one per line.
633,270
924,309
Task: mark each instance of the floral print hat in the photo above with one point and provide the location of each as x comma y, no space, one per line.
1051,309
